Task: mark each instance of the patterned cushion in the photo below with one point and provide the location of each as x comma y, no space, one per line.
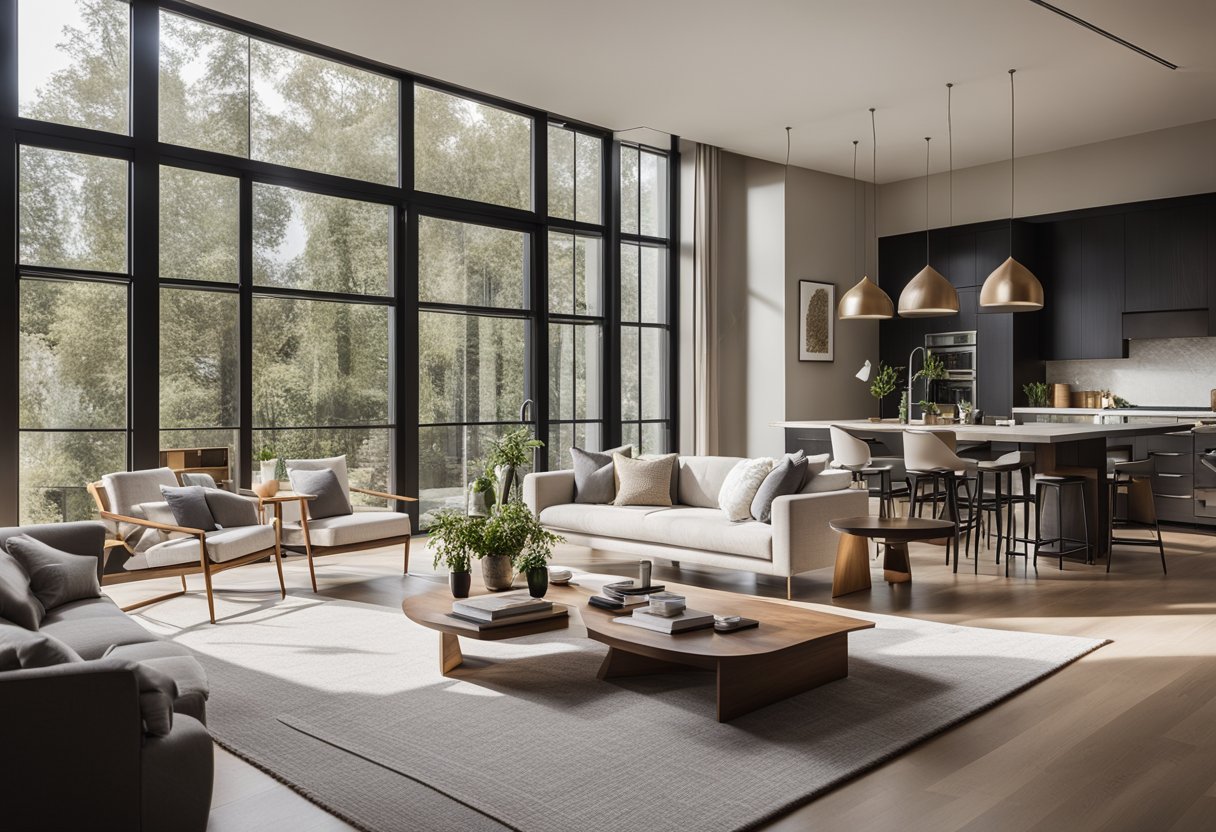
740,487
643,482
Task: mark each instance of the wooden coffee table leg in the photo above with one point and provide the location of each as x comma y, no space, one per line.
896,567
619,663
450,656
746,683
852,566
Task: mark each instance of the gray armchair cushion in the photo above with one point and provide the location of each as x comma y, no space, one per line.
21,648
330,500
201,480
176,779
594,475
783,480
56,577
229,510
17,601
189,506
157,693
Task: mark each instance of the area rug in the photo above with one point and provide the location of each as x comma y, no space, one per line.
344,701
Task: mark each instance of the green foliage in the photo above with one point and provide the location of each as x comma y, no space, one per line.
266,454
1036,393
511,530
903,406
1119,401
455,538
932,370
885,381
514,449
964,406
930,408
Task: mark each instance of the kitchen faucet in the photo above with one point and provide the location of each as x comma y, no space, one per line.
912,378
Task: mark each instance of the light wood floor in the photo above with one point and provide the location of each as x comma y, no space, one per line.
1124,739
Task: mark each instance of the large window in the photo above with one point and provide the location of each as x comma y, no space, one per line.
290,249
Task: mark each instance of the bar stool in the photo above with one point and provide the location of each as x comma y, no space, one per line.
1004,500
1134,481
1059,485
926,454
852,454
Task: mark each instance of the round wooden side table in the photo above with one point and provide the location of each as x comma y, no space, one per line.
853,552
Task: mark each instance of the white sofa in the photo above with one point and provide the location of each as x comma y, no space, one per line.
695,530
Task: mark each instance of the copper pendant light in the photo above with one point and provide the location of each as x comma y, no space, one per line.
929,294
866,301
1011,287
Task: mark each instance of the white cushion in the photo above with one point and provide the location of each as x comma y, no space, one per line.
125,490
701,479
348,529
830,480
741,485
158,512
222,545
609,521
337,464
687,527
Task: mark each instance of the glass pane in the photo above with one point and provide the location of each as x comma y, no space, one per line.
57,467
561,273
200,225
323,243
199,351
574,371
629,190
575,268
655,438
653,195
653,280
204,86
471,150
319,363
471,368
448,460
564,435
73,210
73,62
630,264
654,381
471,264
631,435
73,354
561,172
366,450
629,372
312,113
590,173
204,438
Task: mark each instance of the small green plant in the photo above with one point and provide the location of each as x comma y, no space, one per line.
455,538
515,449
885,381
514,531
1036,393
903,408
266,454
934,369
929,408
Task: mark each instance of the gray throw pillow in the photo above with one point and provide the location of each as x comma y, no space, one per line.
230,510
328,497
21,649
189,506
201,480
783,480
594,476
56,577
17,602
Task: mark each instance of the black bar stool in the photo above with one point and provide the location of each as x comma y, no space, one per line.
1003,500
1133,480
1058,484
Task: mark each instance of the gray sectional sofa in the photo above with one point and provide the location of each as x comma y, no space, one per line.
112,738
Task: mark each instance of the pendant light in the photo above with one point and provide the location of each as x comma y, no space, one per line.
866,301
928,295
1012,287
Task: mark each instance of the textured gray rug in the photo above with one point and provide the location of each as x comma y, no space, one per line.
344,702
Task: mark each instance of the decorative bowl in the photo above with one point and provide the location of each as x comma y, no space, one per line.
268,488
560,576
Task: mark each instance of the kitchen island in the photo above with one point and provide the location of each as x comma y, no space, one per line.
1059,448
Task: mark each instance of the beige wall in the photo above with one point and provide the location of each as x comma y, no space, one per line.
1163,163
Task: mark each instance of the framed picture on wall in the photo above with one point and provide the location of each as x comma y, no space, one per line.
816,321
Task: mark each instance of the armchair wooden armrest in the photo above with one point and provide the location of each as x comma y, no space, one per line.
151,524
384,495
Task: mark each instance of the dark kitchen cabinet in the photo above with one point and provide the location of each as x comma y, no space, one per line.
1062,288
1083,275
1167,258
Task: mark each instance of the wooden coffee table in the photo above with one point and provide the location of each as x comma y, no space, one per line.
792,651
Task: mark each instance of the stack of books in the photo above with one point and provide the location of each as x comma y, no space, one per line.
681,622
623,595
666,604
506,609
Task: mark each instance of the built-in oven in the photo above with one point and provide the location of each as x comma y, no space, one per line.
956,351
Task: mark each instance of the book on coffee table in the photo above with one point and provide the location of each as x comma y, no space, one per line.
496,607
556,611
682,623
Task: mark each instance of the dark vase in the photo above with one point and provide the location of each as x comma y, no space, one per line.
538,582
460,583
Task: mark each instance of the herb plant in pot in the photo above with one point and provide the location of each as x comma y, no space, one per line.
883,384
454,538
515,540
507,457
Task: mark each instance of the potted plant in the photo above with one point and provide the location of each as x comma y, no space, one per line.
1036,393
934,369
454,538
903,408
481,494
964,412
515,540
931,412
884,384
507,456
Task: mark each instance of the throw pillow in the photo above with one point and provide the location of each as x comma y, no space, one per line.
328,498
21,648
56,577
231,510
816,464
783,480
643,482
17,602
189,506
594,475
675,473
202,480
740,487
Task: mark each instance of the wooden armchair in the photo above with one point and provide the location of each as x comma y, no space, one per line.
158,548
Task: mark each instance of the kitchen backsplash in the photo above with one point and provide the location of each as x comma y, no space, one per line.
1167,371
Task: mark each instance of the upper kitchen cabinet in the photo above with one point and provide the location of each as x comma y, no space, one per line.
1083,277
1168,258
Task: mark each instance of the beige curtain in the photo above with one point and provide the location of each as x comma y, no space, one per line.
705,301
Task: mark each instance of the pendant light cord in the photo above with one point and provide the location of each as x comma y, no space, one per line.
874,174
950,143
1012,158
927,200
854,246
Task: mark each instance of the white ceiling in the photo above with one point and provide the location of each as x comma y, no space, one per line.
735,74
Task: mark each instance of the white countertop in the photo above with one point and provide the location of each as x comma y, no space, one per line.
1035,433
1118,411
